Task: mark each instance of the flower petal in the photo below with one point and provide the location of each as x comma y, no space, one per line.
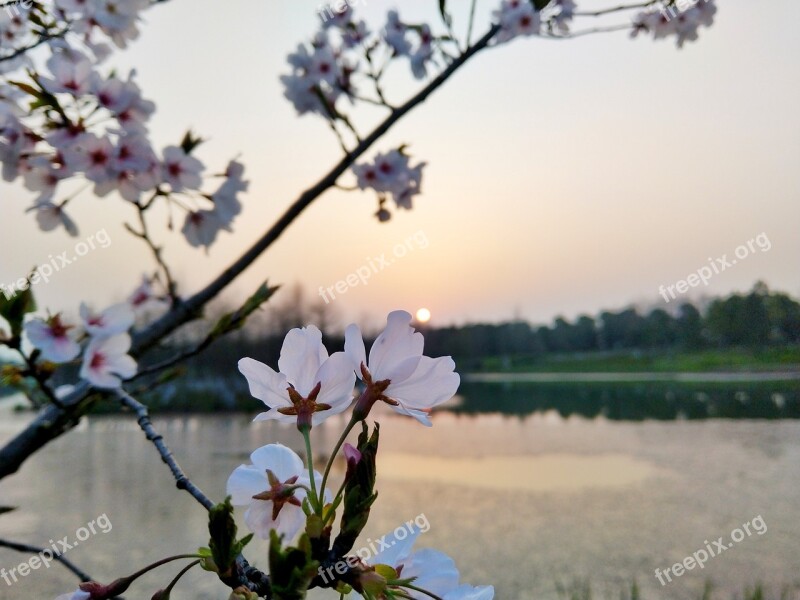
279,459
301,356
433,382
245,482
354,347
338,380
395,344
265,384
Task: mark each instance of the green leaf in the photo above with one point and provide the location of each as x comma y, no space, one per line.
540,4
223,546
443,10
233,321
359,493
291,569
190,142
15,308
25,87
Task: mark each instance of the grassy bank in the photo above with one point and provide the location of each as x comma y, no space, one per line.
729,360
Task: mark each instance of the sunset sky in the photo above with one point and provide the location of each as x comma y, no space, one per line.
563,176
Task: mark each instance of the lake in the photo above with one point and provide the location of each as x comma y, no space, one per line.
527,485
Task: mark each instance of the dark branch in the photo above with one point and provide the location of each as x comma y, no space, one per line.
28,549
246,575
181,480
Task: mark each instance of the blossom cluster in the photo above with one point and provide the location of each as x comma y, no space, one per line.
324,71
682,23
521,18
92,23
311,386
72,122
105,362
390,173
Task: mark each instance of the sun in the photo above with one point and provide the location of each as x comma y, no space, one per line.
423,315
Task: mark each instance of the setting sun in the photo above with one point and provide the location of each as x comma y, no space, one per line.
423,315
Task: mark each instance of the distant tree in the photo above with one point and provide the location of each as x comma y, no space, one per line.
660,329
689,327
740,320
621,330
784,318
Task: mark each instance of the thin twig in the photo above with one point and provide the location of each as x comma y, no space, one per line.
620,8
471,25
181,480
584,32
145,236
44,38
245,574
28,549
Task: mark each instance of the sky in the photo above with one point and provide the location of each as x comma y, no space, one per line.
563,177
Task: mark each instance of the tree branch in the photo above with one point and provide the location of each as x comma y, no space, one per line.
28,549
181,480
245,575
42,39
53,421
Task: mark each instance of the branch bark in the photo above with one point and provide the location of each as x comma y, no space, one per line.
245,574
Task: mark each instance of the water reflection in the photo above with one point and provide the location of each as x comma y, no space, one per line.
548,473
633,401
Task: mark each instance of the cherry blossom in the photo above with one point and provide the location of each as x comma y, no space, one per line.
684,24
395,34
181,170
201,227
49,216
72,74
144,297
106,362
433,571
517,18
272,488
423,54
401,376
391,173
225,201
53,338
310,387
113,320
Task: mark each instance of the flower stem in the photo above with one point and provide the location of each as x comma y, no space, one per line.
183,572
159,563
421,591
336,449
316,500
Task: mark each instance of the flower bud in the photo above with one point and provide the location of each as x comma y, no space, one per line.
242,593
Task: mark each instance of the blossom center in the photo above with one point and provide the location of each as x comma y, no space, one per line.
279,493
